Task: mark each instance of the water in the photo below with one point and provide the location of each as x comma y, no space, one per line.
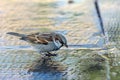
87,58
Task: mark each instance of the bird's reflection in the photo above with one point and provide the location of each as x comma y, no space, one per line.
45,68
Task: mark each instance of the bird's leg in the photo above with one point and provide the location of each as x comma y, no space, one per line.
50,54
45,57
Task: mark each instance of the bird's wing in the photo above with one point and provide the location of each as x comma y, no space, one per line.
38,38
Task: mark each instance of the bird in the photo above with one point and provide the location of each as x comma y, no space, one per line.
45,42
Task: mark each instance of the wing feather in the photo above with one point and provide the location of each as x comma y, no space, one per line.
38,38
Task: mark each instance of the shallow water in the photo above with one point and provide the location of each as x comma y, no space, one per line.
90,56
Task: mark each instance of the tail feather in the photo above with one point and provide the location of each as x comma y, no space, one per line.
16,34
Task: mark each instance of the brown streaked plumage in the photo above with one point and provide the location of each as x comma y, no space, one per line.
44,42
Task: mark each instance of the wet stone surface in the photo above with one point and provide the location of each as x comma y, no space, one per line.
29,65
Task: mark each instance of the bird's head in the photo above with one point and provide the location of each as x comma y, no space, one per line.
62,39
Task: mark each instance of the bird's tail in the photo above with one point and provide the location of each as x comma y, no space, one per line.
16,34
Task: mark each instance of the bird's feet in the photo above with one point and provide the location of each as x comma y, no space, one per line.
50,54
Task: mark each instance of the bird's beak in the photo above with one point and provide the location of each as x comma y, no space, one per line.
66,45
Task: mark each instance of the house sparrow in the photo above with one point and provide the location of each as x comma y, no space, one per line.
44,42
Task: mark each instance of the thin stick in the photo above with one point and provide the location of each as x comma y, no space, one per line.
99,16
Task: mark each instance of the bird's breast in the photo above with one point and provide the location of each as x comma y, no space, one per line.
51,46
